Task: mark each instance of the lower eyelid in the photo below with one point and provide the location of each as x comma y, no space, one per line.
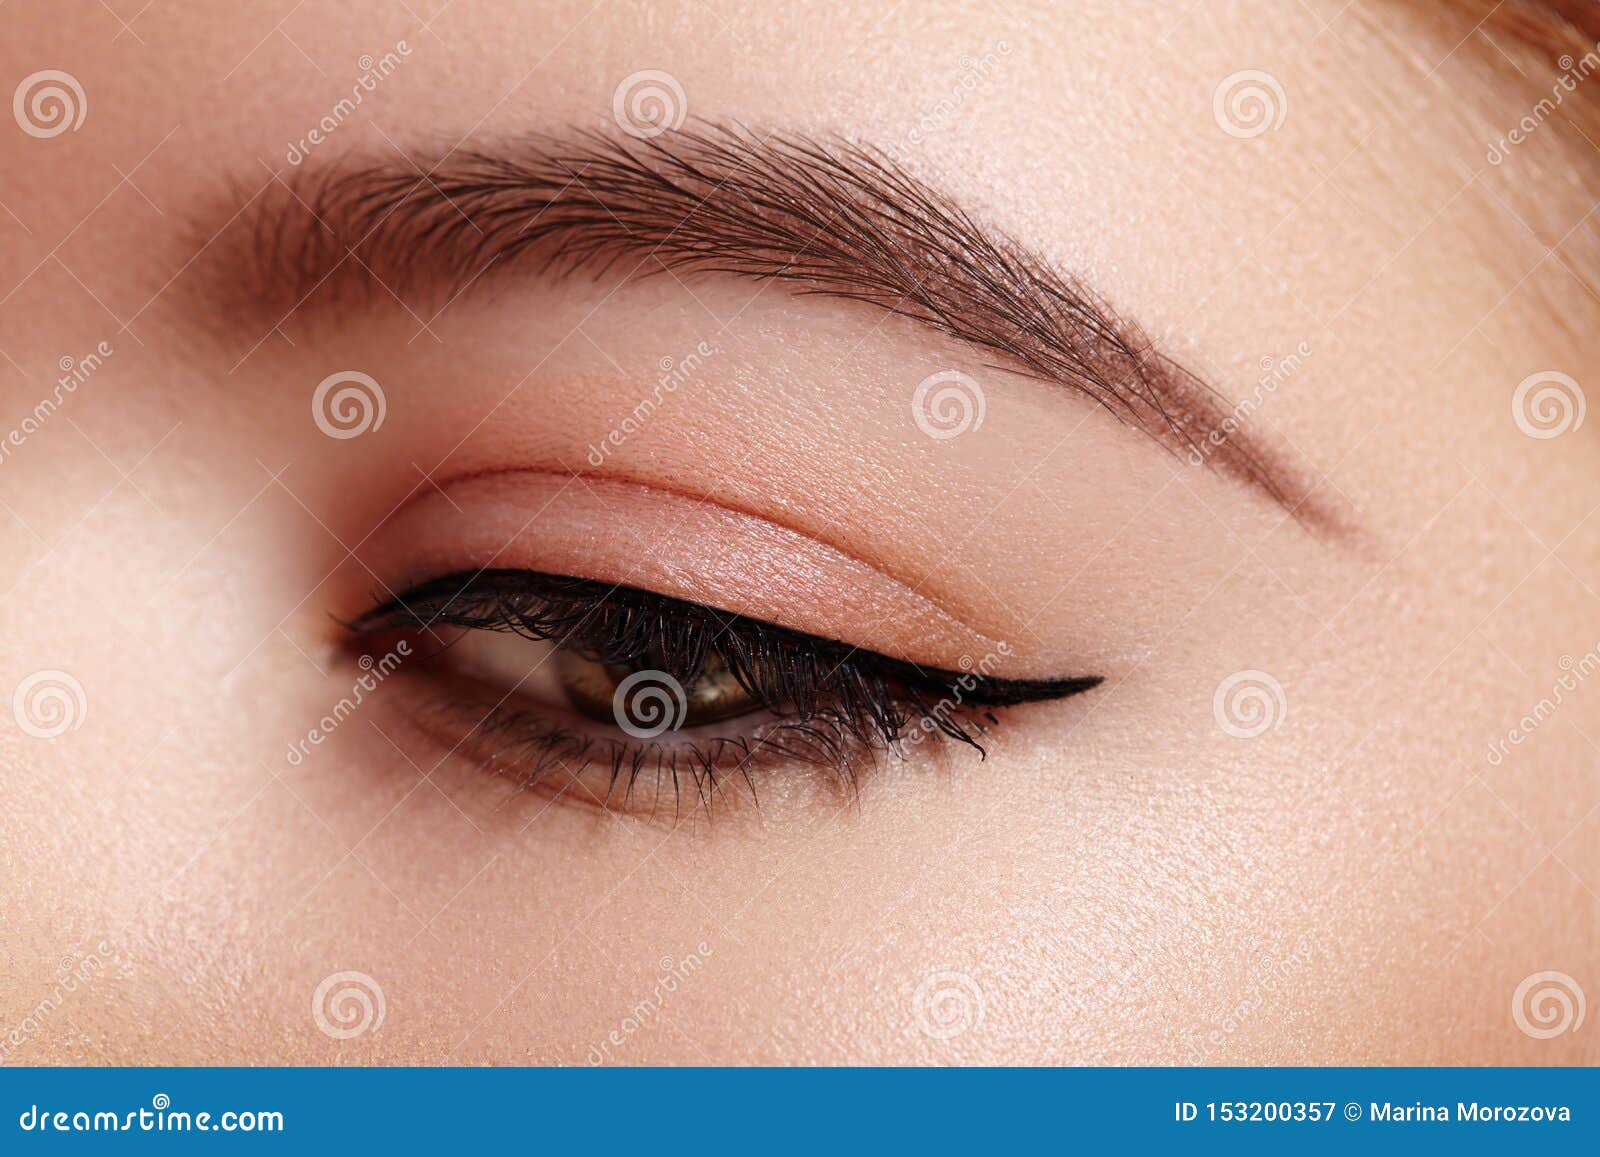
540,759
480,712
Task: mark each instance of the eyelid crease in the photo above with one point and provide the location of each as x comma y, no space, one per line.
794,567
614,477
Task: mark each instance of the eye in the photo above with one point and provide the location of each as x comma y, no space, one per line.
535,673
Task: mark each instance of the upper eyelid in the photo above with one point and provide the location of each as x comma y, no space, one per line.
395,609
402,611
648,546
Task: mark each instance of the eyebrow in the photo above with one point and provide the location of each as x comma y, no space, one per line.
836,219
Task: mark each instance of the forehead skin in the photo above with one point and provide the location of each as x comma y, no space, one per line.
1359,885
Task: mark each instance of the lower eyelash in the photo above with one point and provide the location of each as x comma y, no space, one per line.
532,751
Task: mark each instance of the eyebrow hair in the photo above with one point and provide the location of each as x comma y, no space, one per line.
834,219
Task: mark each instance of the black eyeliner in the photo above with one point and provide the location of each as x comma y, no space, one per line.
489,600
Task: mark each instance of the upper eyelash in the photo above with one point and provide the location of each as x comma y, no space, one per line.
867,692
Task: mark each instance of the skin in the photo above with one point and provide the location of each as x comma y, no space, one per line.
1121,880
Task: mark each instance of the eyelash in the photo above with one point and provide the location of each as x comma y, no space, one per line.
837,705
